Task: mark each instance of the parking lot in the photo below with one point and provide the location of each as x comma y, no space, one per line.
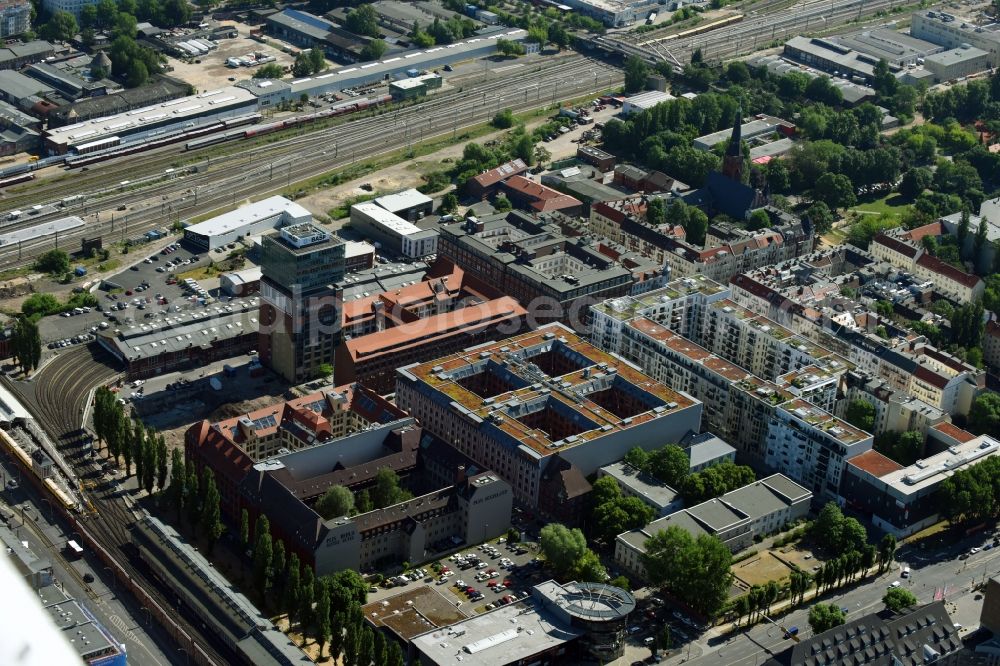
477,578
146,292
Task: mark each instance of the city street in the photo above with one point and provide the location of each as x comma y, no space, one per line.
932,571
30,517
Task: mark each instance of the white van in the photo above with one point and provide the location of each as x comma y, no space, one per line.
906,572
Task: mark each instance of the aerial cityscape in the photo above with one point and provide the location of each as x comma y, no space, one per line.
515,333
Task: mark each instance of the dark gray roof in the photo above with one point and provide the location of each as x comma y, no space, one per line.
922,636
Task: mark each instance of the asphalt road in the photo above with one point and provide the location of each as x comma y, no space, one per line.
931,571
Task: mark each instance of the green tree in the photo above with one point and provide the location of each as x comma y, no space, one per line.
562,546
504,119
271,70
885,80
336,501
362,20
211,517
149,465
696,571
317,59
984,416
290,599
759,219
54,262
897,599
861,414
637,457
501,203
301,66
449,203
306,598
26,344
40,304
915,181
821,217
192,500
636,73
244,530
363,502
322,619
588,568
134,451
263,552
386,490
507,47
835,190
513,535
61,27
669,464
374,50
162,462
178,480
823,617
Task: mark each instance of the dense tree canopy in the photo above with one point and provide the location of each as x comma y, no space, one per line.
825,616
696,571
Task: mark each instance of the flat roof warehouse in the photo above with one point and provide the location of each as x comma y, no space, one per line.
149,117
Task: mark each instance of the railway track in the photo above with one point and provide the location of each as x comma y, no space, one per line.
753,32
57,396
104,178
225,182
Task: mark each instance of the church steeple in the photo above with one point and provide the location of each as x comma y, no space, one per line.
732,163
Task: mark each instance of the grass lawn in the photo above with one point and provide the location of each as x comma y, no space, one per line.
892,204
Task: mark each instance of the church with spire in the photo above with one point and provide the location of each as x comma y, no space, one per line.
724,191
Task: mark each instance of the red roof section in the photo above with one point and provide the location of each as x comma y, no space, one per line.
874,463
947,270
897,245
932,229
545,198
506,170
953,431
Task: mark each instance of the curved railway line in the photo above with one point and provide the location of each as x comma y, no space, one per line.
57,396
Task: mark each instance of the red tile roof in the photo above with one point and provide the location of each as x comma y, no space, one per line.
494,176
545,198
993,328
953,431
874,463
932,229
948,271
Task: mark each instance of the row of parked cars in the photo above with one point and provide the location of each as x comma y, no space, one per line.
69,342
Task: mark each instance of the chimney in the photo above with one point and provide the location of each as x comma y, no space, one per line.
379,307
460,475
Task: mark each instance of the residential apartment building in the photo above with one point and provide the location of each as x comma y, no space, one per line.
735,518
552,275
448,309
623,222
299,311
904,500
232,446
895,410
952,283
74,7
15,17
518,405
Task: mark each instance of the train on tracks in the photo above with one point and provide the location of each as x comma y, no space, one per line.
339,109
218,132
